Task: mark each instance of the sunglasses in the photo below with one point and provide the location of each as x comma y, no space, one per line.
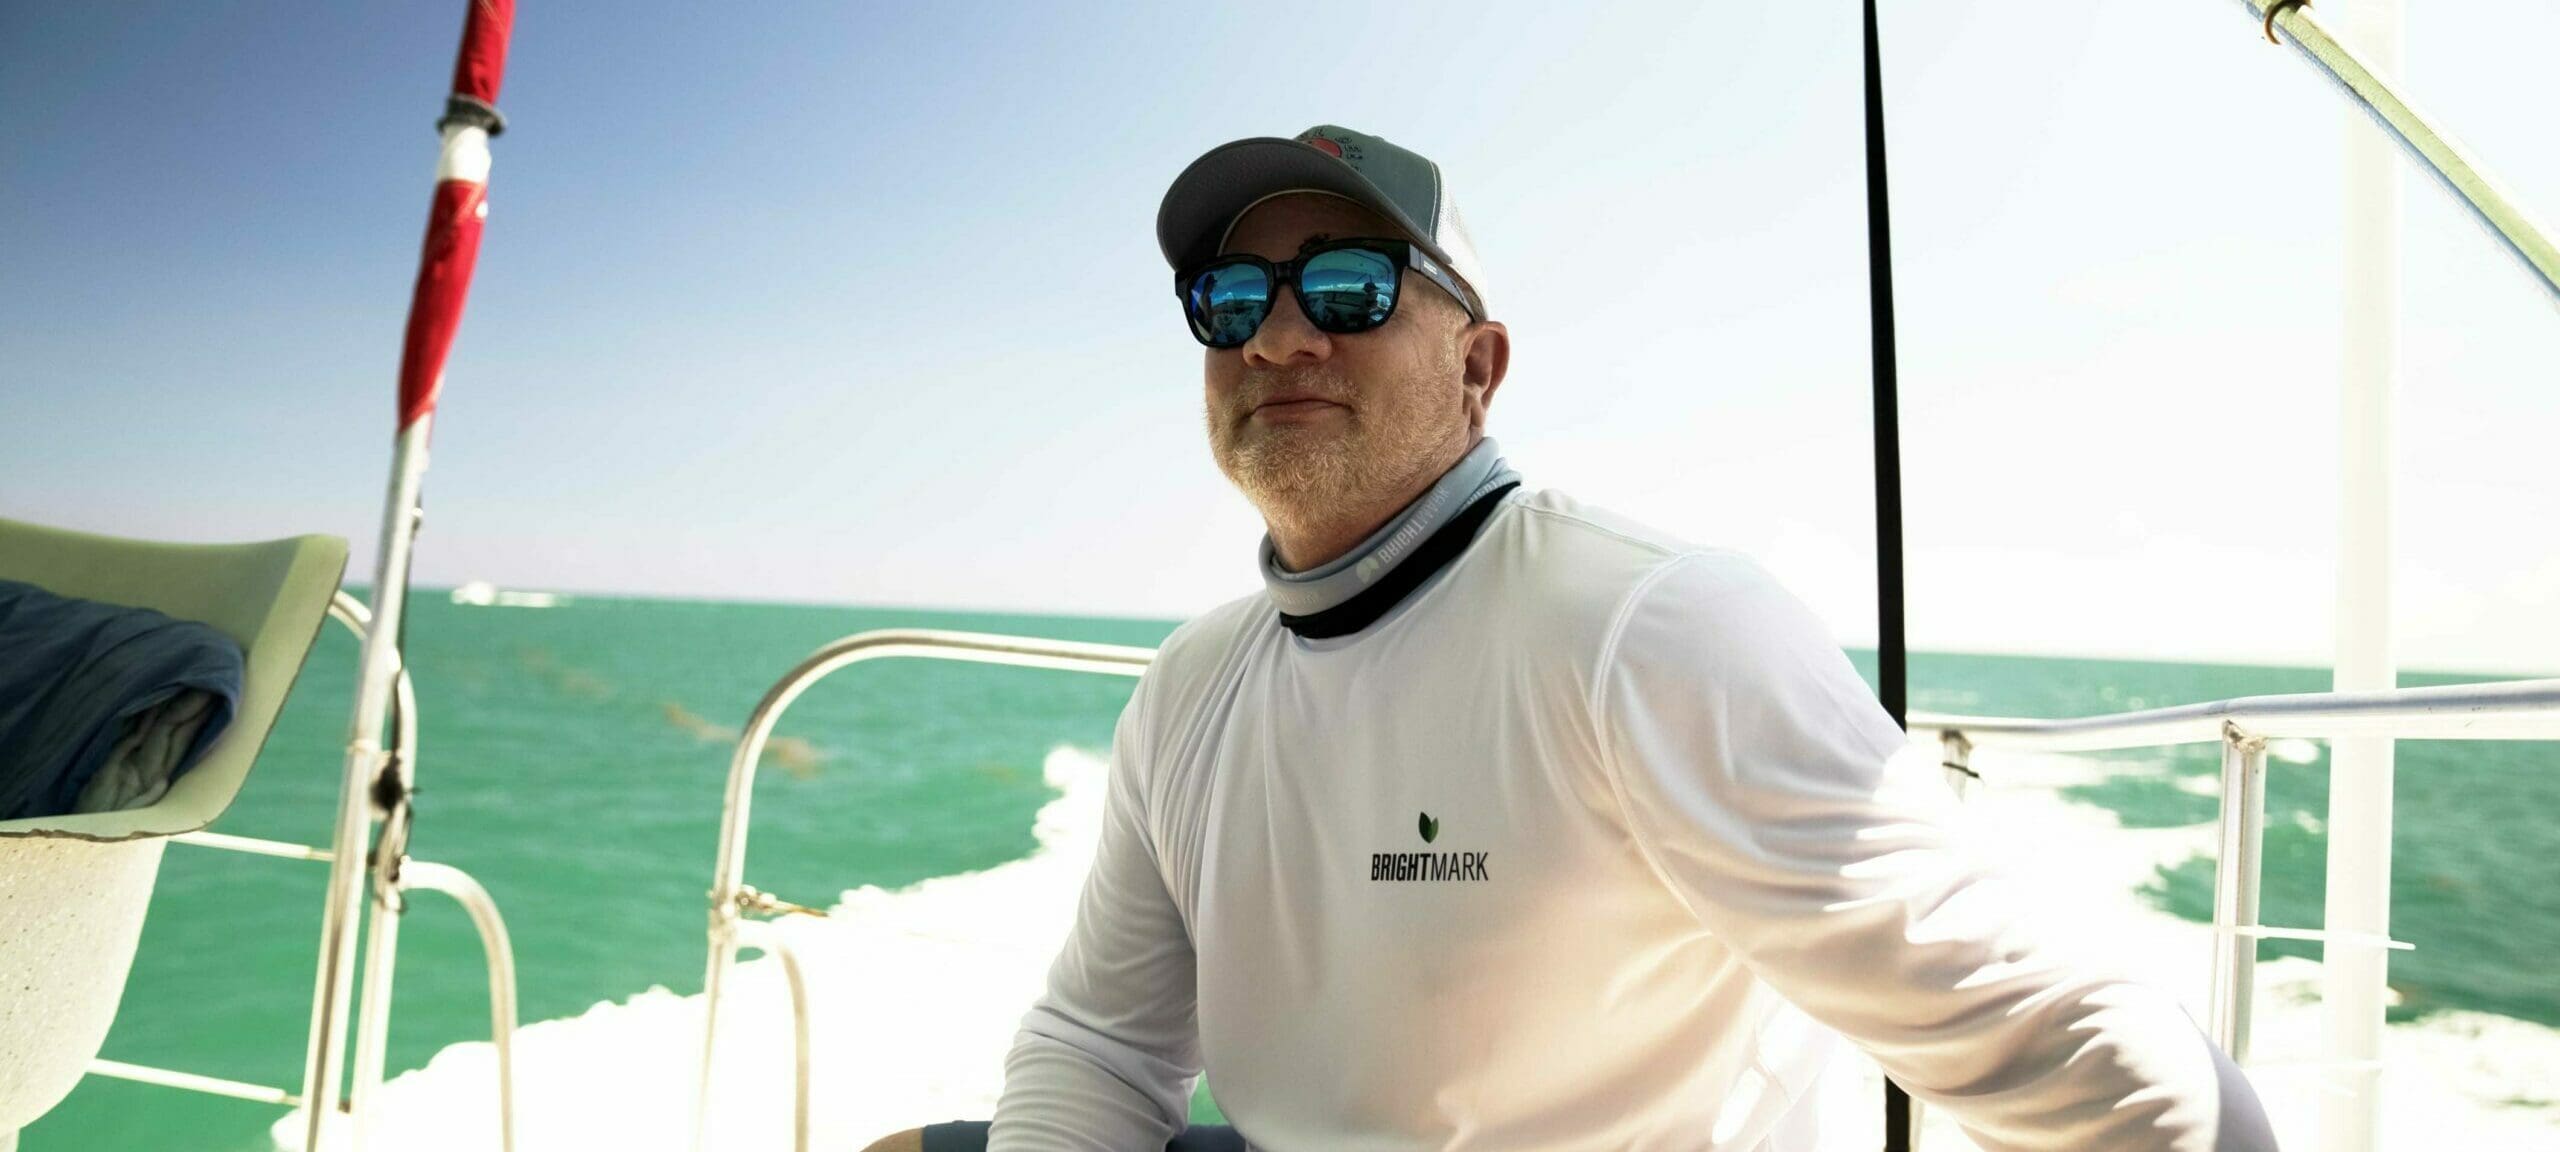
1343,286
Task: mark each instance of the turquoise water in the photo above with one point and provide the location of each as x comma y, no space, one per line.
573,759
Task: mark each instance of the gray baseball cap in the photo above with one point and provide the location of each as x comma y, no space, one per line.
1402,185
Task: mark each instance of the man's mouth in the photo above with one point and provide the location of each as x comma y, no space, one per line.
1295,406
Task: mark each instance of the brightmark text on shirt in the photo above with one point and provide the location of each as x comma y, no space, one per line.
1428,866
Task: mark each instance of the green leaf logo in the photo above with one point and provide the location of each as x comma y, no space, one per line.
1430,828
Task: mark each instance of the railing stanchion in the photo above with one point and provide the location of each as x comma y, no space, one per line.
1955,758
2237,869
2253,842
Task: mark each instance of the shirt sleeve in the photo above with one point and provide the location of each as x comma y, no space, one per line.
1782,805
1106,1058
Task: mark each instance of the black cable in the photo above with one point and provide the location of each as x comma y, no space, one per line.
1891,659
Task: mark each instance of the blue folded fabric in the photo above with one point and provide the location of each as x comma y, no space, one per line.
74,673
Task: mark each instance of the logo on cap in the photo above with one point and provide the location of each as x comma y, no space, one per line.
1345,149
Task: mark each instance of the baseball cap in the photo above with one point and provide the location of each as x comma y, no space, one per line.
1404,186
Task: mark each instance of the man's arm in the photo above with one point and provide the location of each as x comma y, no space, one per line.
1783,806
1107,1057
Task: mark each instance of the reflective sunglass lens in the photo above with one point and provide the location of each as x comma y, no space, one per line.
1348,289
1227,303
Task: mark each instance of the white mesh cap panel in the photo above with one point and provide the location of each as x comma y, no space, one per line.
1455,240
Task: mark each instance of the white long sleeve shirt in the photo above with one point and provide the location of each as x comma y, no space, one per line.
1595,841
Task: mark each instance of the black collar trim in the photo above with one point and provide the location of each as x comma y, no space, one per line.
1364,608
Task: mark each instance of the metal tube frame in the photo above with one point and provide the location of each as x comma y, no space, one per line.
2506,710
426,876
2515,710
377,666
761,934
2448,161
731,897
2243,822
189,1081
338,933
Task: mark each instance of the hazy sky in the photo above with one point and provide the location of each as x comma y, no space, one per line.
860,302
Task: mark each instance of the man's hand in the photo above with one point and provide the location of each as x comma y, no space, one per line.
911,1140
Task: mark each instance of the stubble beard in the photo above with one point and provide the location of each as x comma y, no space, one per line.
1306,473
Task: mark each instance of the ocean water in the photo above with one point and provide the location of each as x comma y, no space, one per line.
572,759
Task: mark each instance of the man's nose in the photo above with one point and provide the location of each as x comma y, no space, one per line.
1287,336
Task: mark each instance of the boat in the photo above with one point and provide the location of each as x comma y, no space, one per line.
482,594
343,1093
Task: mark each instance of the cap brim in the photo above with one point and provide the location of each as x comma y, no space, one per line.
1205,199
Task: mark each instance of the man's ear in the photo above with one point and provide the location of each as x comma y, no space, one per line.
1484,358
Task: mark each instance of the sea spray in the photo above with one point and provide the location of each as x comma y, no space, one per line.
914,997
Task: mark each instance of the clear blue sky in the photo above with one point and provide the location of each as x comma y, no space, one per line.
745,323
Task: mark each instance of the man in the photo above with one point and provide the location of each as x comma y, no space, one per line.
1494,821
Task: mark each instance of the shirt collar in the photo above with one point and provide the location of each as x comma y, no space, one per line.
1329,584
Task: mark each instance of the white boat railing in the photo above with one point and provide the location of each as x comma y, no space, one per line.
2513,710
732,898
392,874
2518,710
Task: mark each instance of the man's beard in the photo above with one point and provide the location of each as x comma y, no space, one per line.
1303,471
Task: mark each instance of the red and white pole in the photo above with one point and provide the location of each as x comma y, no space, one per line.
435,312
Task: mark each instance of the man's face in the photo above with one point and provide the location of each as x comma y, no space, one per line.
1301,419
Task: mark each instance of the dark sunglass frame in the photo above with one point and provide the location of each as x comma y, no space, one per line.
1399,255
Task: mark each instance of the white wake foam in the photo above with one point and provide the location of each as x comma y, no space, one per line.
915,994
